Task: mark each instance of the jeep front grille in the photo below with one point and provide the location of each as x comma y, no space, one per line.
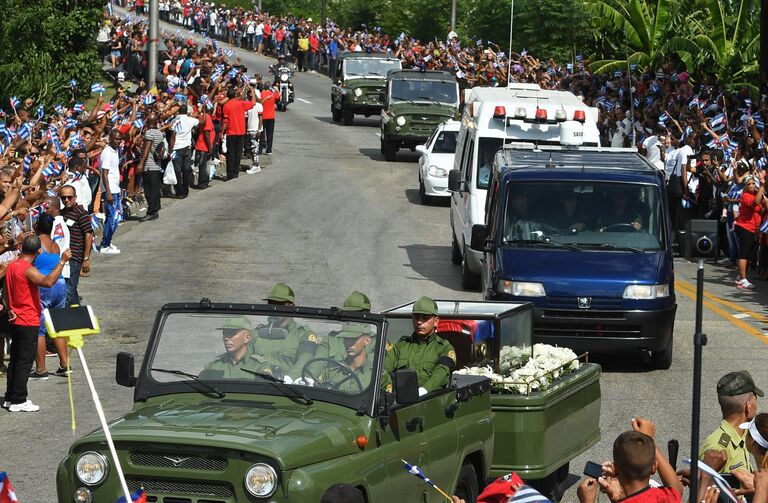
212,463
155,487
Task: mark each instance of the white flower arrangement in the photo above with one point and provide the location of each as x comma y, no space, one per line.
522,373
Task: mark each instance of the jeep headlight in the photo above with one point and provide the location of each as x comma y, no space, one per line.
261,480
521,288
284,77
437,171
91,468
358,92
400,120
646,292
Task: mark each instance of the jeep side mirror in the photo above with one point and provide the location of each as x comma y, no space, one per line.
124,370
479,236
406,386
455,183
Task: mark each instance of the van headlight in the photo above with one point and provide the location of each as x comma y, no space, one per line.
358,92
400,120
437,171
261,480
91,468
522,288
646,292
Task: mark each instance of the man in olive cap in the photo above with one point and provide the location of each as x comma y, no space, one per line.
283,341
431,356
737,395
347,352
236,334
357,302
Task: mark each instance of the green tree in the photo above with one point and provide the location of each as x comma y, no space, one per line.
44,44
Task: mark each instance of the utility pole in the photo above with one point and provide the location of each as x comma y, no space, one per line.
453,15
763,44
154,24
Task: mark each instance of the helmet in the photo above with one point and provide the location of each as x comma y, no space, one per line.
281,58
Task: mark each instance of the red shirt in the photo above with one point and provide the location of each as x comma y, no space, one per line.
267,29
749,213
268,102
234,116
654,495
23,295
207,130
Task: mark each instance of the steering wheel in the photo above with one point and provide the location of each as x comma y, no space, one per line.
343,367
621,228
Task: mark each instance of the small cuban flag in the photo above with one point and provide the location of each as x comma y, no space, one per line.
416,471
523,53
229,53
72,83
97,87
149,99
14,102
138,124
7,495
59,109
78,107
70,123
136,497
40,112
26,163
25,131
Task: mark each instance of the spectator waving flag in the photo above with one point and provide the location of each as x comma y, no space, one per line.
40,112
148,99
138,124
229,53
98,87
25,132
78,107
14,102
6,490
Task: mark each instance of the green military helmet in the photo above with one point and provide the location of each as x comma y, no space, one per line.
425,305
281,293
357,301
239,323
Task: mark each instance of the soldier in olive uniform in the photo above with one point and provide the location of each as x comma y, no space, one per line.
737,395
283,341
431,356
353,349
236,334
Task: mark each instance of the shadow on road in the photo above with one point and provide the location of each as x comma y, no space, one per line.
326,118
439,202
433,263
372,153
630,363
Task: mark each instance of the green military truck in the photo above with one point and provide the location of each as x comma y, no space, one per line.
415,102
358,85
201,433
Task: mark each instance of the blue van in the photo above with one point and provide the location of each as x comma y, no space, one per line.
583,234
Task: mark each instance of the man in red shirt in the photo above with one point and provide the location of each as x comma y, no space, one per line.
22,299
268,97
234,127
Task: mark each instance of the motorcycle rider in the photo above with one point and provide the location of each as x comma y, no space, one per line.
275,70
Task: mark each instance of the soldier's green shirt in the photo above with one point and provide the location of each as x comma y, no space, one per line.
291,349
727,438
232,370
333,347
432,357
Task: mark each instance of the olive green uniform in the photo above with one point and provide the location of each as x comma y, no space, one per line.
332,347
290,349
727,438
432,357
233,370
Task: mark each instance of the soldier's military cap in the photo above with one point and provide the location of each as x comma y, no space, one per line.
354,330
281,293
357,301
239,323
737,383
425,305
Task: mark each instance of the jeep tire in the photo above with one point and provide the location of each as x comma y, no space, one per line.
467,487
347,116
389,150
335,114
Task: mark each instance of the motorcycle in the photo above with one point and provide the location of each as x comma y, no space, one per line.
283,76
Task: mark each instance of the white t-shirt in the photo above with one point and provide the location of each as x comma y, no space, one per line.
684,153
110,160
652,152
623,128
82,190
259,29
60,236
250,28
671,160
252,117
184,131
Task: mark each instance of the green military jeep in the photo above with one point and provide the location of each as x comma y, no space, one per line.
358,86
415,102
207,428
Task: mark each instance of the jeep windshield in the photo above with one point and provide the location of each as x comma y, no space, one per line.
424,91
300,357
370,67
584,216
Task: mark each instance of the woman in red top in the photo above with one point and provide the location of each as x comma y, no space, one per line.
203,147
747,223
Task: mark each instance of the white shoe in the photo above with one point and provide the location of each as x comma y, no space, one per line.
27,406
6,404
254,169
110,250
744,284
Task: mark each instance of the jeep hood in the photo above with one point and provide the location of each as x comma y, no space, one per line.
293,435
403,108
367,83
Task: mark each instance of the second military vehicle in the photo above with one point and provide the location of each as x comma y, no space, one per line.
358,85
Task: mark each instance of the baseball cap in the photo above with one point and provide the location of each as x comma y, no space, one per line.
281,293
239,323
425,305
754,431
357,301
342,493
737,383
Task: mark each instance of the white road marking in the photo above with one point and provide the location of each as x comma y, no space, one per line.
304,101
377,135
741,316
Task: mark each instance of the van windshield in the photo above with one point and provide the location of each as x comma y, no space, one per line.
578,215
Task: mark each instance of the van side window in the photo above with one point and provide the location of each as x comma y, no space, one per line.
487,150
467,167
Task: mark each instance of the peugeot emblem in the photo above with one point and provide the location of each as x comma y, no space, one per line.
175,461
585,302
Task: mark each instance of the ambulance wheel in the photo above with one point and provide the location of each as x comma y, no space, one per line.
469,280
455,251
467,487
662,360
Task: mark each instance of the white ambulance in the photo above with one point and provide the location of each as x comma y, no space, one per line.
492,117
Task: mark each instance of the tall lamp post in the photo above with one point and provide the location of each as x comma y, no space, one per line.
453,15
763,44
154,24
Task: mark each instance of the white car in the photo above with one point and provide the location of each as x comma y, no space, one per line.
436,161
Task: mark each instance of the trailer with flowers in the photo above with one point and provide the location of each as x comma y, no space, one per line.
545,399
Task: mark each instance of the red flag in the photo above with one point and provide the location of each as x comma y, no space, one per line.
6,490
501,489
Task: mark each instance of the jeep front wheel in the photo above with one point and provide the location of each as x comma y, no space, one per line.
467,488
347,116
389,150
335,114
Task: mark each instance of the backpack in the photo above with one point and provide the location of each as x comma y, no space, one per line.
161,153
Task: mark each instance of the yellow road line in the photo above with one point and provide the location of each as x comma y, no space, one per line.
754,332
681,284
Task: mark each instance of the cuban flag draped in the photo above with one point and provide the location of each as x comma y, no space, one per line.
137,497
7,495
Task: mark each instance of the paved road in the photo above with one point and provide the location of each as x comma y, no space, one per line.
327,215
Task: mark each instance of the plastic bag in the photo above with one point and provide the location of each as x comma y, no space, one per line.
169,177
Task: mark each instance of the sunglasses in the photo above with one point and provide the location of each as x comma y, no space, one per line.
64,198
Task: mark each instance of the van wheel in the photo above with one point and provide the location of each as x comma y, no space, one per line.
467,488
553,485
347,116
662,360
389,150
469,280
335,114
455,251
